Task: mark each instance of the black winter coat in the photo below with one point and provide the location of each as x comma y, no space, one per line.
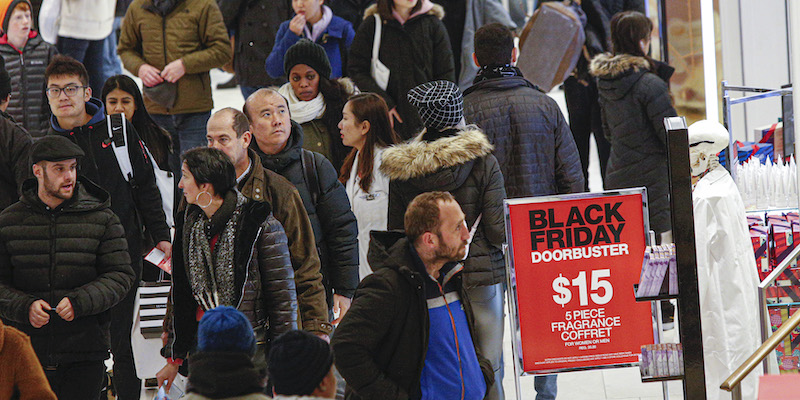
15,164
415,53
77,251
28,104
634,103
350,10
464,166
263,278
381,343
334,225
135,203
256,23
532,142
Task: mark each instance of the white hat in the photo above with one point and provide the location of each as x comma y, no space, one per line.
710,132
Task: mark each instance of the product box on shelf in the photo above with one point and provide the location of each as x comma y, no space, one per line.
772,134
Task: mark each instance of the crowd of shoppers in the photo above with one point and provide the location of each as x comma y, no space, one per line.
335,197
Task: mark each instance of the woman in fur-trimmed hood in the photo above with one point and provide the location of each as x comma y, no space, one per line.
634,100
449,156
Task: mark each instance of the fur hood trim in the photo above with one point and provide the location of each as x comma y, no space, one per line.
418,158
348,85
436,11
607,66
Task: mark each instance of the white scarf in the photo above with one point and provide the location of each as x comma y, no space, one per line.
320,26
303,111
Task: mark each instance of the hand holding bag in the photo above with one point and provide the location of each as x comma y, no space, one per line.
379,71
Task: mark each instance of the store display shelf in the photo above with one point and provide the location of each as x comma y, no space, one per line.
653,298
646,379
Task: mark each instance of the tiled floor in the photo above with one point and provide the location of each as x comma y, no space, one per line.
617,384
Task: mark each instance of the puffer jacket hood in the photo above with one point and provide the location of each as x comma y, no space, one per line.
441,164
617,74
388,249
437,11
86,196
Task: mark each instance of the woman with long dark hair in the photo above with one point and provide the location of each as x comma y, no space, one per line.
316,101
634,100
366,128
122,95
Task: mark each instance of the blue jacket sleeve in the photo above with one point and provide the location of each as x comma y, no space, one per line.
284,39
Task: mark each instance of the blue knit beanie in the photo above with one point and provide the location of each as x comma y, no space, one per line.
225,329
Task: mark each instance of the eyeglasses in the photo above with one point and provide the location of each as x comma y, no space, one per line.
70,91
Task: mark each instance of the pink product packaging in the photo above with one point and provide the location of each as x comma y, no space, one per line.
755,219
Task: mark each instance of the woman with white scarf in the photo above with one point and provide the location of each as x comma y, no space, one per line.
315,22
316,101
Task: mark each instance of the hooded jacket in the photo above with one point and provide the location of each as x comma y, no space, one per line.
532,142
263,279
415,52
256,24
192,32
336,40
15,164
24,379
225,375
77,251
264,185
381,343
634,103
334,225
134,204
28,104
463,165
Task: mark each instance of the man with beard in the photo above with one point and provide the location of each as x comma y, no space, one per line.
63,264
409,331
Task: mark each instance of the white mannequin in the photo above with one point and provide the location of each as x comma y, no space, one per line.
726,270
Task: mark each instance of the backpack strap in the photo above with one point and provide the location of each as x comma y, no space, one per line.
310,174
118,133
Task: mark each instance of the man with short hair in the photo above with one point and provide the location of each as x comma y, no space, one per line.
409,332
63,264
229,131
81,118
536,152
278,142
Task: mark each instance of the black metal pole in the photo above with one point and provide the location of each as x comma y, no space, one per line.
680,187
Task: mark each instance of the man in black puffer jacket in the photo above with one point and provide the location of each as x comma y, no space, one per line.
532,141
63,264
279,143
459,160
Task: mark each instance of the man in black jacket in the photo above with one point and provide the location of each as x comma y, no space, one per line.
14,145
279,143
533,145
410,332
81,118
63,264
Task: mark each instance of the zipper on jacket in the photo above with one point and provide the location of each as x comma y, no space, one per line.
455,336
247,271
50,281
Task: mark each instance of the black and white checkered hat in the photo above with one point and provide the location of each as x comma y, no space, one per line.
439,103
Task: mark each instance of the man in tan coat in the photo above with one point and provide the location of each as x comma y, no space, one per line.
171,45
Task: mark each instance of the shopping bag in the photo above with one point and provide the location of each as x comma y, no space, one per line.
150,309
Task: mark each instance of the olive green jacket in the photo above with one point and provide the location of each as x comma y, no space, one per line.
192,32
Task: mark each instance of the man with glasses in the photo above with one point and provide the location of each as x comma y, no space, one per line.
81,118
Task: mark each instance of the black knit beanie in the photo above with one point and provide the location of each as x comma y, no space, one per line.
298,361
308,53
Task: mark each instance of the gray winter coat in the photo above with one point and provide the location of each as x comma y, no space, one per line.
634,103
532,141
479,13
28,104
463,165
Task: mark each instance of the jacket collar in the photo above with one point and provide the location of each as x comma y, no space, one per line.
608,66
418,158
87,196
257,178
503,83
336,29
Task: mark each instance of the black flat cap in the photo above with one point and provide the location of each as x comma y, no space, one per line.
54,148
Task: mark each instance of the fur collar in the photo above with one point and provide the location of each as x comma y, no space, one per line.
607,66
419,158
437,11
